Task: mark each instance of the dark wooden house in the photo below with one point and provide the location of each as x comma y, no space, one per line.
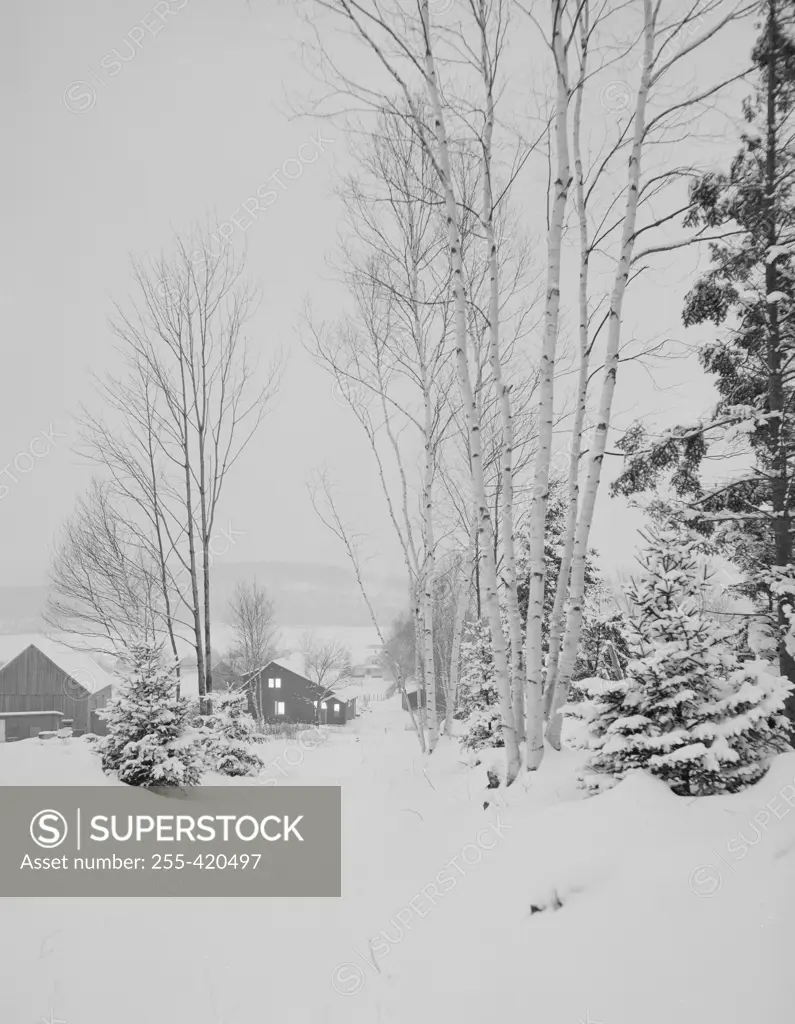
39,693
284,695
409,699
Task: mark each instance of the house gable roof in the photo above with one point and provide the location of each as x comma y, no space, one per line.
282,666
78,665
326,692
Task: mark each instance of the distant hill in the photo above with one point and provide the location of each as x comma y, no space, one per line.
20,609
312,594
305,594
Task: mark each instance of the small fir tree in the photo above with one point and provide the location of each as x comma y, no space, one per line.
478,695
229,732
688,711
148,743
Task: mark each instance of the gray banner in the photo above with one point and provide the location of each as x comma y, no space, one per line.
205,841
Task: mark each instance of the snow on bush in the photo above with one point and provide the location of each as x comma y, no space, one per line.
688,712
227,734
148,741
479,696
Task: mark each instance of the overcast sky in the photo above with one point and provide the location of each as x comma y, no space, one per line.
107,156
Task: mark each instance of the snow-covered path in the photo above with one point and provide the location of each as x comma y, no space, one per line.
645,934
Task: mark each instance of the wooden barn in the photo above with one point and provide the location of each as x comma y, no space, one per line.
284,695
39,692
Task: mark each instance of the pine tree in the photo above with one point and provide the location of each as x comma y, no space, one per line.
148,743
748,292
229,731
557,510
687,711
479,697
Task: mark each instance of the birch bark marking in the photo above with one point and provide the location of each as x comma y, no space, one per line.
458,627
490,597
546,405
502,391
430,562
599,441
575,449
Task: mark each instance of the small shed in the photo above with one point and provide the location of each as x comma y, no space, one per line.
21,725
35,687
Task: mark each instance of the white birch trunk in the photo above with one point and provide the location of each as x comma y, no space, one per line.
491,596
599,439
419,657
562,587
458,627
502,391
429,568
546,406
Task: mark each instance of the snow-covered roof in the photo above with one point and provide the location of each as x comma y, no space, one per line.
346,693
28,714
293,663
80,665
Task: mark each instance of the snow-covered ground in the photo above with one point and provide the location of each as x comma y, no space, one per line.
648,913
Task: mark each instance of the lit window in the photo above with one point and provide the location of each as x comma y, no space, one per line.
323,705
336,707
270,684
314,703
277,683
279,707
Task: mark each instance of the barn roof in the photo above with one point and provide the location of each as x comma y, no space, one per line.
79,665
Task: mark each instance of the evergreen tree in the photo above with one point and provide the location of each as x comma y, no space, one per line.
604,627
557,510
148,743
229,732
748,291
479,697
687,711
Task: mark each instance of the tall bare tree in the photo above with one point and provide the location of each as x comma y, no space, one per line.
254,631
326,662
104,579
182,411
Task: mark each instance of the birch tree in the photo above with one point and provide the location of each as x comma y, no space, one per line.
389,356
405,45
643,128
